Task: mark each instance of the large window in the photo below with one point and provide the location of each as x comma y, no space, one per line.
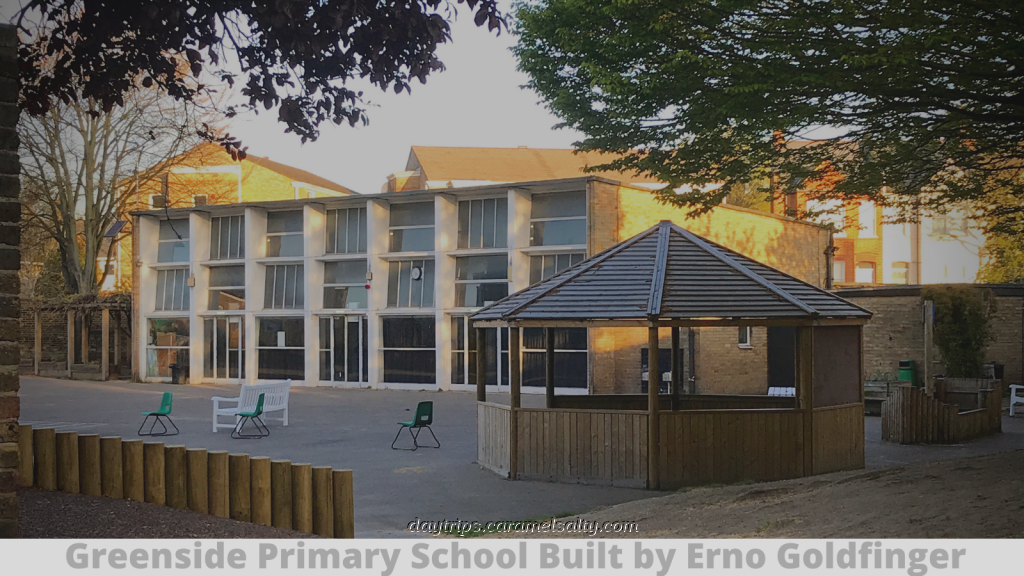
480,280
172,291
224,347
173,241
284,234
412,227
227,238
346,231
558,219
546,266
411,284
227,288
345,284
570,357
483,223
866,215
900,272
464,353
167,347
284,287
839,271
865,273
343,349
408,346
280,348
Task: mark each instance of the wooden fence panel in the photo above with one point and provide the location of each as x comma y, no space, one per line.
838,438
909,416
493,437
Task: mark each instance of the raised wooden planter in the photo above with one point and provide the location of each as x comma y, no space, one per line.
877,391
910,416
232,485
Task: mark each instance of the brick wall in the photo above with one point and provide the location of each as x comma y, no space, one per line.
896,330
620,212
55,336
10,215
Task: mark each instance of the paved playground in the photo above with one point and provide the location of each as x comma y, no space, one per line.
354,429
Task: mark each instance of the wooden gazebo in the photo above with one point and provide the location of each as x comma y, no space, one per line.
669,277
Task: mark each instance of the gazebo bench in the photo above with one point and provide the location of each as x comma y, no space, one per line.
275,399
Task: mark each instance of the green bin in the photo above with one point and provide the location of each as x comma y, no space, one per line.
908,372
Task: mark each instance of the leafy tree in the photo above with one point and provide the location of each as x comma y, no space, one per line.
962,327
293,55
923,99
1006,261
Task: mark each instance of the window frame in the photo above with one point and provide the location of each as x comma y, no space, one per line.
525,350
582,256
362,284
268,234
260,348
384,349
329,347
867,264
392,228
173,224
298,301
152,349
459,284
218,224
544,219
745,337
462,235
361,235
423,280
211,288
162,285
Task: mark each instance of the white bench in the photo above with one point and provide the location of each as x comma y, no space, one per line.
275,399
782,391
1015,396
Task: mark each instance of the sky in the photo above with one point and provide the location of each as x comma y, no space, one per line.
476,101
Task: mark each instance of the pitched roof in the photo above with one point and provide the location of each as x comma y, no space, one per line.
670,273
298,174
511,164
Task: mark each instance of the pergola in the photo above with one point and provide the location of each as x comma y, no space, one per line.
669,277
75,310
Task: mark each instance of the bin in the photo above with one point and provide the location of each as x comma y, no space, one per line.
176,373
908,372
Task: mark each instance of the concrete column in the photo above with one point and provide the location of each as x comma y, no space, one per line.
199,251
378,214
38,350
514,383
481,365
105,344
255,280
71,341
446,239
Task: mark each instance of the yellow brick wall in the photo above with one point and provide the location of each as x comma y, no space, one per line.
616,213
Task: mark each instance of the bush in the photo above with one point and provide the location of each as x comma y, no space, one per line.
962,327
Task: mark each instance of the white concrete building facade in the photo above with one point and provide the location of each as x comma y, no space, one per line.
358,291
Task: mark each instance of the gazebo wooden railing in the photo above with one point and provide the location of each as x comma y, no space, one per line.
678,440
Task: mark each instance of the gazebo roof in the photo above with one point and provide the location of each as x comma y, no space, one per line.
668,273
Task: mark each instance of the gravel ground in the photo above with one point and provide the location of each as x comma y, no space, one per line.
58,515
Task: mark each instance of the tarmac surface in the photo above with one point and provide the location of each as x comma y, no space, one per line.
353,429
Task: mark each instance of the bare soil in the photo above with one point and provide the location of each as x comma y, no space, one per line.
979,497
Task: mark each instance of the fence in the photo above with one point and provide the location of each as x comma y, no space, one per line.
313,499
909,416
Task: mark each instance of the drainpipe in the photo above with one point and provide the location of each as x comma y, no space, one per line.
830,251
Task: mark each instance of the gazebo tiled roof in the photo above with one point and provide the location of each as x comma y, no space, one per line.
668,273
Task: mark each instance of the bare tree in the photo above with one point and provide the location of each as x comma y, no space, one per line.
80,166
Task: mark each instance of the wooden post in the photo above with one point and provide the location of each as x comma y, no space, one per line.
653,419
217,465
38,353
281,493
84,344
67,462
26,452
105,344
154,473
302,497
71,341
198,480
239,488
89,465
344,509
259,494
132,463
323,502
805,393
514,359
691,349
677,368
44,444
117,344
549,367
926,370
176,474
481,366
111,467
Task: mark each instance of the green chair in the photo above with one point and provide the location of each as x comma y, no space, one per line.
424,418
253,416
165,413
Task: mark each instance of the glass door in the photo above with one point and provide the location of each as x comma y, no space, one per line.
224,339
464,354
343,351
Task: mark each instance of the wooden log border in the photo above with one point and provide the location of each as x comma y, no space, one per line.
317,500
